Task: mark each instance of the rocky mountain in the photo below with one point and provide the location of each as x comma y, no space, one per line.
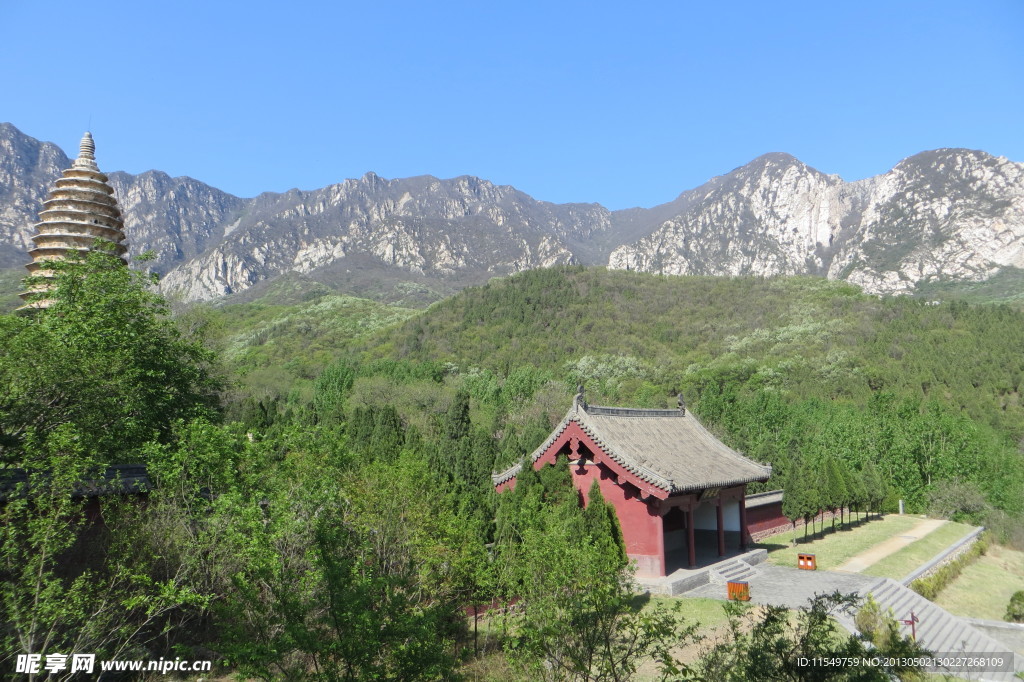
947,214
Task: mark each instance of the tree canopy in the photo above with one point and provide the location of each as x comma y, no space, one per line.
105,358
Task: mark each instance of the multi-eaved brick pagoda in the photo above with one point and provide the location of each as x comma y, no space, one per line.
80,210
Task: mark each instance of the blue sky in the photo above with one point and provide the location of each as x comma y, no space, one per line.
619,104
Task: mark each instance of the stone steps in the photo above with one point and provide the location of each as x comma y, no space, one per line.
938,630
731,571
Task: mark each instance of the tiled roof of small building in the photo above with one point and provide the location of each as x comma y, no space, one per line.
669,449
118,479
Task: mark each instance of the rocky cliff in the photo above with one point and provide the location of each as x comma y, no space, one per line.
947,214
951,214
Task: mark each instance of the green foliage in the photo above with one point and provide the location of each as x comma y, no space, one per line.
330,391
304,337
577,617
872,621
956,500
457,423
1015,609
105,358
765,645
797,501
334,530
834,494
603,525
926,392
67,583
875,488
930,587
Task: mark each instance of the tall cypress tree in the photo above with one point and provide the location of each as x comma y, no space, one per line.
794,495
835,488
603,525
456,423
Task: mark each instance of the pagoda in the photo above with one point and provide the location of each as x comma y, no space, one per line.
80,211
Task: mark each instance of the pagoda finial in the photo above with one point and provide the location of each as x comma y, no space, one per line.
86,153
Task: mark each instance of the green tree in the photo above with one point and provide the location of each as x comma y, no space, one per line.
767,645
330,391
578,618
603,524
457,423
794,496
67,583
106,358
1015,609
855,487
834,494
875,487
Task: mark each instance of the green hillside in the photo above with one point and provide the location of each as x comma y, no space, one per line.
784,369
344,463
931,389
269,345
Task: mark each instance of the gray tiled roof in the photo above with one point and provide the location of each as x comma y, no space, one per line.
116,479
763,499
669,449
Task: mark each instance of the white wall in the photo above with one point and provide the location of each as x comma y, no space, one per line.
705,518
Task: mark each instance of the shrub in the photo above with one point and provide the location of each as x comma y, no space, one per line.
957,500
930,587
1015,609
1006,528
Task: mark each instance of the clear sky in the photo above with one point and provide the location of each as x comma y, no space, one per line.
619,103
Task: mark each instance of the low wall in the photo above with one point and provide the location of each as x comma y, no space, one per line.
766,531
944,557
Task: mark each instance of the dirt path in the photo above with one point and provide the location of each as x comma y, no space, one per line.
883,549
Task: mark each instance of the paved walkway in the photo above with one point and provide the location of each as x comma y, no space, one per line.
789,587
937,630
886,547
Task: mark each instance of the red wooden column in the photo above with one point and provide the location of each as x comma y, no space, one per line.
690,547
663,567
721,528
743,522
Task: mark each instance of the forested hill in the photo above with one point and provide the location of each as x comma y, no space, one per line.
782,368
630,335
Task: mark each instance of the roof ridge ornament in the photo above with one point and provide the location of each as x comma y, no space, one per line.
682,404
580,400
86,154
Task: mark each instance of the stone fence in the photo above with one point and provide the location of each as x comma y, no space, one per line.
945,556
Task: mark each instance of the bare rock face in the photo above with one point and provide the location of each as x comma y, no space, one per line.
174,218
773,216
949,214
465,228
27,171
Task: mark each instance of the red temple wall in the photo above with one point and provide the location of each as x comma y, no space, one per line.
766,517
641,529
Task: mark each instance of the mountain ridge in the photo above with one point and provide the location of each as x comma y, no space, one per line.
940,215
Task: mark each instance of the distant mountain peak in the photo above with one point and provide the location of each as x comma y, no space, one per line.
941,214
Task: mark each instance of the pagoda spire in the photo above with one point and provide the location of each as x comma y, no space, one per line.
86,154
80,211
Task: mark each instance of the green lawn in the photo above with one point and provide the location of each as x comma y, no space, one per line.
708,612
918,552
834,548
984,588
